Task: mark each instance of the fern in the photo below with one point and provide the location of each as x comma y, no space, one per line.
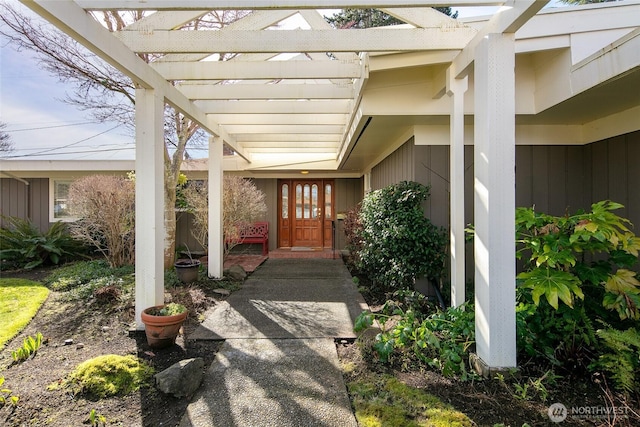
622,362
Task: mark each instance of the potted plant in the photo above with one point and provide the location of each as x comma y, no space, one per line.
162,323
187,269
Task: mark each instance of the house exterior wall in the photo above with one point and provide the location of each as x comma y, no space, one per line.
554,179
24,201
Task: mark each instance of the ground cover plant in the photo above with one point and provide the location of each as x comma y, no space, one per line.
20,300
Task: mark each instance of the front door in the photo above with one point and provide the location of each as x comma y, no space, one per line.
305,213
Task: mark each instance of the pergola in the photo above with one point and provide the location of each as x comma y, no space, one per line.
292,99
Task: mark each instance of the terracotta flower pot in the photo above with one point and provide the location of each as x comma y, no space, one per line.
161,331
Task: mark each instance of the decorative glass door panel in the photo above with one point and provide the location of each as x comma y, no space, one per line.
305,211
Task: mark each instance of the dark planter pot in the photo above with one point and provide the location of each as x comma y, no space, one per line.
162,331
187,270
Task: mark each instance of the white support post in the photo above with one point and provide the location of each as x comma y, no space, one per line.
215,242
456,89
494,201
149,288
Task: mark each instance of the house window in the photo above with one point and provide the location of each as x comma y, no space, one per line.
59,210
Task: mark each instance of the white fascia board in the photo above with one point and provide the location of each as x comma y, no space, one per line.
334,106
614,60
614,125
252,70
67,165
583,18
269,4
525,135
266,91
75,22
259,41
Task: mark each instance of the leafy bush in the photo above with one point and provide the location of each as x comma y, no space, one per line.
105,205
24,246
577,273
442,339
109,375
399,244
242,203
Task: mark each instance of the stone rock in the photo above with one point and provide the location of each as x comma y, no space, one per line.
181,379
236,273
223,292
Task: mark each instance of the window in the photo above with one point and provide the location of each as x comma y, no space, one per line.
59,203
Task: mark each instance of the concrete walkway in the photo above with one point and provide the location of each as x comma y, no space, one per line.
278,365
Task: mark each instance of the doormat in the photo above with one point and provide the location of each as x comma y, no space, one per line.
301,249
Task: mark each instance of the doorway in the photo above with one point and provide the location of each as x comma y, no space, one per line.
305,213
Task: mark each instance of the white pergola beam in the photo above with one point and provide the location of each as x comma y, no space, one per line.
289,138
250,70
509,20
279,119
335,106
266,91
259,41
284,129
165,20
79,25
269,4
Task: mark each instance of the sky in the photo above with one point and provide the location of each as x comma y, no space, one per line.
41,126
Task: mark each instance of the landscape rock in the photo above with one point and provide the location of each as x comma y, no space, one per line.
181,379
223,292
235,273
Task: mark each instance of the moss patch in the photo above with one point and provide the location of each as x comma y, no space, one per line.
109,375
385,401
20,300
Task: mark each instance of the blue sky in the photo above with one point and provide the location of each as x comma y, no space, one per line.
41,126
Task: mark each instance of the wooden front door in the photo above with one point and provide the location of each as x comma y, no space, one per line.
305,213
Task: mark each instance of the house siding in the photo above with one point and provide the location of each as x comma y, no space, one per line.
26,201
553,179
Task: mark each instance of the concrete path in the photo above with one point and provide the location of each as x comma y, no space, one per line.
278,365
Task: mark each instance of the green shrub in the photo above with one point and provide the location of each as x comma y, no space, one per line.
109,375
577,273
24,246
442,339
398,243
71,276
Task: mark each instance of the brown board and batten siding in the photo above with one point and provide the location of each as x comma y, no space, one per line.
20,200
553,179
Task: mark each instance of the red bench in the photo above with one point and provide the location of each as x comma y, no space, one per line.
257,232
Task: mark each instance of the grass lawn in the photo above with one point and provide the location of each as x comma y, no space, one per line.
20,300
